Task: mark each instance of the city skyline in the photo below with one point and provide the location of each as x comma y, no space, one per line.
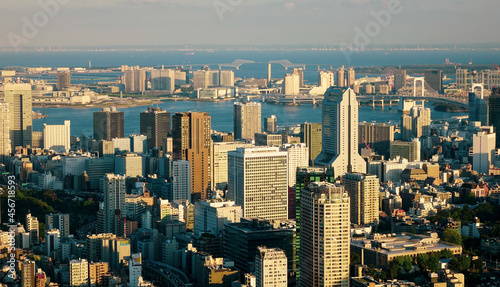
237,18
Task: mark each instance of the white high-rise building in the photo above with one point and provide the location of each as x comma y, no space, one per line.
364,193
220,157
129,165
291,84
326,79
78,273
258,182
201,79
417,124
57,137
340,133
122,144
135,80
134,270
483,151
163,80
5,144
247,120
227,78
52,242
32,229
298,156
271,267
181,181
114,202
325,235
139,143
211,215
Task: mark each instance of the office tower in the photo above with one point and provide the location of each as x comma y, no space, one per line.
226,78
134,80
97,273
116,251
94,245
18,98
181,181
340,133
156,125
247,120
129,164
300,73
304,177
363,190
211,215
192,141
96,168
58,221
494,115
114,203
326,79
52,242
434,78
108,124
28,273
63,80
312,136
271,267
139,144
134,269
258,182
408,150
201,79
377,137
483,151
32,229
298,156
57,137
265,139
341,82
399,79
5,144
242,239
291,84
417,124
163,80
220,157
478,109
325,226
271,124
351,77
78,273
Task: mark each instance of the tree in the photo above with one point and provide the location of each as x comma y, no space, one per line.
477,264
355,258
434,263
423,261
407,263
452,236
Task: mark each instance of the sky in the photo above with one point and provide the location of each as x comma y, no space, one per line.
247,22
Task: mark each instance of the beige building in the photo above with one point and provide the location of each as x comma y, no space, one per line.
271,267
407,150
417,124
311,135
220,157
247,120
19,99
78,273
28,273
258,182
135,80
5,144
163,80
97,273
129,165
364,193
325,235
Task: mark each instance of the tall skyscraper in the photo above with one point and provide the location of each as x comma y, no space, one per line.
312,136
377,136
434,78
220,162
181,181
271,267
298,156
340,133
417,124
156,125
291,84
494,107
18,97
192,141
351,77
227,78
483,151
325,236
114,203
135,80
78,273
478,109
341,82
57,137
201,79
258,182
247,120
363,190
271,124
28,273
5,144
300,73
63,80
399,79
163,80
108,124
326,79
